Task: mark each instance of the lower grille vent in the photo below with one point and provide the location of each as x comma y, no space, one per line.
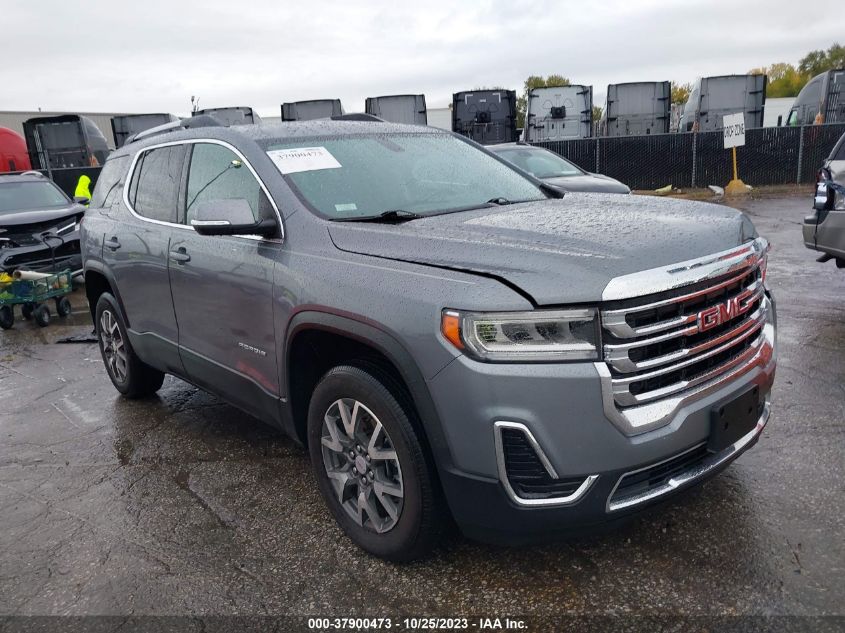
656,476
526,473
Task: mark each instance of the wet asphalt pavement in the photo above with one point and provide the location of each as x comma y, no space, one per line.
184,505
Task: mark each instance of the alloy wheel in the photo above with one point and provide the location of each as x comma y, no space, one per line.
362,465
114,348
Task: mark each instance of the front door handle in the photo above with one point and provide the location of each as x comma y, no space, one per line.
112,243
180,255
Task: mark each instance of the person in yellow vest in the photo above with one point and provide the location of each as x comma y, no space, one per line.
83,189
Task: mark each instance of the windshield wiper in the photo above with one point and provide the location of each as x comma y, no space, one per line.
394,215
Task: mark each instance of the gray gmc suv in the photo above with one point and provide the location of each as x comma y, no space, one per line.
446,335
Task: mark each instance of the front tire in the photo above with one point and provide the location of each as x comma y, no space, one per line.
370,465
41,314
128,373
63,307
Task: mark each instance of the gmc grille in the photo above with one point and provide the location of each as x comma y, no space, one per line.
663,344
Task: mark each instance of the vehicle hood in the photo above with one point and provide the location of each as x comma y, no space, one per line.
597,183
14,221
556,251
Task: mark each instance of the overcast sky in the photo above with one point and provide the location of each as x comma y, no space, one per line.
151,56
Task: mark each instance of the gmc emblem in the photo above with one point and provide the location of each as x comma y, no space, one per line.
724,312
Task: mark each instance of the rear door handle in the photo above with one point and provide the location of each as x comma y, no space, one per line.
180,255
112,243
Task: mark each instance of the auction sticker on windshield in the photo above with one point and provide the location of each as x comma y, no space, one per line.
291,161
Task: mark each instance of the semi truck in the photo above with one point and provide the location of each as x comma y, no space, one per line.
559,114
822,100
235,115
713,97
637,108
124,126
67,140
13,154
485,116
398,108
313,109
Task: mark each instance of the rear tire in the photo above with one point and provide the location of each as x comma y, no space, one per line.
371,467
7,317
128,373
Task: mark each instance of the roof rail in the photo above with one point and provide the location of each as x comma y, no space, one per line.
357,116
203,120
32,172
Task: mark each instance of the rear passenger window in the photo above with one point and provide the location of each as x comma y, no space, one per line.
154,190
217,173
109,181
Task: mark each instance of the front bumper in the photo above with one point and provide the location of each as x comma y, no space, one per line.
40,258
563,408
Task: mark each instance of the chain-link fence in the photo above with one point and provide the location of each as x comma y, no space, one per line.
770,156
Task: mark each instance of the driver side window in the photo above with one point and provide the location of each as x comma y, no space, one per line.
217,173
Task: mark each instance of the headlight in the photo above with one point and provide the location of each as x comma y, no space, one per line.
542,335
68,228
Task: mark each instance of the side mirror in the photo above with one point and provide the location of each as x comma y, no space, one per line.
230,217
83,200
553,191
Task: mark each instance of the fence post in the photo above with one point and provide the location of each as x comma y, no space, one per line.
694,149
800,154
598,171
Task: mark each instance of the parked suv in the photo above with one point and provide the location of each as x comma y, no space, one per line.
39,225
824,228
443,332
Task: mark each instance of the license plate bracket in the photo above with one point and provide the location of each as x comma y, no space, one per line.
731,421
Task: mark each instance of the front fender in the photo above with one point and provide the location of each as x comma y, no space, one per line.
371,334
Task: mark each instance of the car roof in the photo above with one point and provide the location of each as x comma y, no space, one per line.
26,176
329,127
289,130
501,146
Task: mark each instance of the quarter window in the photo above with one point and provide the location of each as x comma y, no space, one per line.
217,173
154,189
109,182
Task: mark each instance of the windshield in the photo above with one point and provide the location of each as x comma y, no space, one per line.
425,174
27,196
540,162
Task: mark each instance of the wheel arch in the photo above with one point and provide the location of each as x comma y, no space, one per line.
343,335
98,279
